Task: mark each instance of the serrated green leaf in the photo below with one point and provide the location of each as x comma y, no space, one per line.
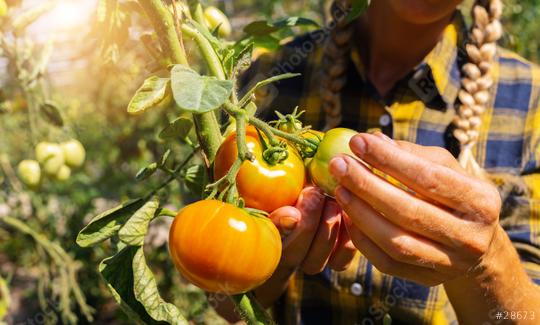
135,229
146,292
263,27
107,224
133,286
177,129
51,114
150,95
198,94
146,172
357,8
118,274
195,178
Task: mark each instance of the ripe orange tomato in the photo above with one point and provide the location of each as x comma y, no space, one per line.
263,186
222,248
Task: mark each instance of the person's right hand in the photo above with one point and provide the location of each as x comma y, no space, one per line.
313,237
313,234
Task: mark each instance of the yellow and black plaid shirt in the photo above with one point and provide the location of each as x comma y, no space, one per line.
420,109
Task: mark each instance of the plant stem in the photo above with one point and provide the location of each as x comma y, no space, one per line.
207,51
207,126
251,311
173,176
163,23
287,136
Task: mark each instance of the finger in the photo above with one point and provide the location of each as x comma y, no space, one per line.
398,243
325,240
434,181
398,206
386,264
344,252
286,219
296,245
436,155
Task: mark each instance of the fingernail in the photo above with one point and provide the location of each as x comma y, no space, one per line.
338,167
288,223
358,145
343,195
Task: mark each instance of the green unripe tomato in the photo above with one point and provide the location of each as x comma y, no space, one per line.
74,153
50,156
63,174
29,173
334,142
216,18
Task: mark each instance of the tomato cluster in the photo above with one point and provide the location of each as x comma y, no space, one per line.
55,160
249,247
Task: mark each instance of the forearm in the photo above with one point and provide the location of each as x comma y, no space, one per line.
498,284
271,290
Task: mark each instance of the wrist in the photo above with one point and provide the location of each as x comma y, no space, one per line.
497,282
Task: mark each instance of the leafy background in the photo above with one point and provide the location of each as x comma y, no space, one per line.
93,83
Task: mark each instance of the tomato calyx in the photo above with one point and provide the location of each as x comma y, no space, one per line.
289,123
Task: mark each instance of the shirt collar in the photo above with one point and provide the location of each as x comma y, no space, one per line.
440,70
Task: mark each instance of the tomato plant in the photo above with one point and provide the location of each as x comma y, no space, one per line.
334,142
262,185
249,252
214,243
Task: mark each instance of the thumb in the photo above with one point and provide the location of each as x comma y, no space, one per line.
286,219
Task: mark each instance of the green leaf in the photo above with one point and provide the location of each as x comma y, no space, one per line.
118,274
198,94
153,91
357,8
134,287
238,56
177,129
195,178
263,27
107,224
146,172
165,157
247,97
135,229
51,114
146,292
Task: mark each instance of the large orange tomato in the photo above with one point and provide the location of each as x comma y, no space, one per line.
263,186
222,248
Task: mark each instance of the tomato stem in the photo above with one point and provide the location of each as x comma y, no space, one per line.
174,175
287,136
250,309
163,23
227,180
207,51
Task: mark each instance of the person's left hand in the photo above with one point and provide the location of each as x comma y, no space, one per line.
431,236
